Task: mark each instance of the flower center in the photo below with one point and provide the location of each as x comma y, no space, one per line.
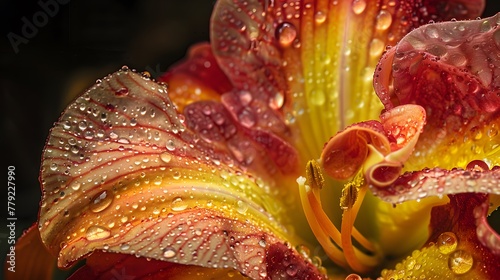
338,245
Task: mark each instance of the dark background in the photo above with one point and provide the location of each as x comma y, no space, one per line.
83,41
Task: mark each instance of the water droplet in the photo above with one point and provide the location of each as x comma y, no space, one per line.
262,243
447,242
384,20
66,125
166,157
176,175
146,75
75,185
320,17
358,6
178,204
242,207
124,247
53,167
121,92
246,118
82,125
97,233
291,270
460,262
124,68
170,145
169,253
376,47
286,33
100,202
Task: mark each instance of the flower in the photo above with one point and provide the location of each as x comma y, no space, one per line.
201,178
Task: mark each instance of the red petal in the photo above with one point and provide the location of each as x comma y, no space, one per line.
450,69
439,182
103,266
467,222
199,77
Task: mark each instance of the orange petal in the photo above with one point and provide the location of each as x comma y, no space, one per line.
31,260
380,148
122,172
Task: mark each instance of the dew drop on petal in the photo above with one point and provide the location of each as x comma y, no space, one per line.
75,185
447,242
178,204
291,270
460,262
358,6
169,253
376,47
166,157
121,92
170,145
384,20
97,233
100,202
242,207
124,247
320,17
285,34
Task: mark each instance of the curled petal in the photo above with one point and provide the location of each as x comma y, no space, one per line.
122,172
451,70
439,182
380,148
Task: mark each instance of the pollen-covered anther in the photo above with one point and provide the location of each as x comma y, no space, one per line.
349,196
314,175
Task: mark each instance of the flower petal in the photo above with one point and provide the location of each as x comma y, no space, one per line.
380,148
308,61
121,172
103,266
197,78
450,69
438,182
31,260
453,250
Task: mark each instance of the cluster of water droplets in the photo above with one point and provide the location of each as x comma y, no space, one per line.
442,257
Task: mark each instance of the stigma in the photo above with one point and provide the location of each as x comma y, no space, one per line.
338,244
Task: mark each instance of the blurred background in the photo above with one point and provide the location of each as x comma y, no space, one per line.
81,41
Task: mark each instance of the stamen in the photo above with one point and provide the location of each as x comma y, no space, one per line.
356,259
338,245
333,252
